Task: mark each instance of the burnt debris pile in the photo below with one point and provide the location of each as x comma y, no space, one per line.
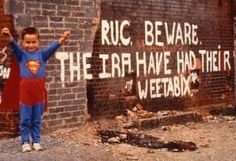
146,141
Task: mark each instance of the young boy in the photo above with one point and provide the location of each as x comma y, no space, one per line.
32,85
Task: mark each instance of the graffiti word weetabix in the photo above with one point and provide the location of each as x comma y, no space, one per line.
164,87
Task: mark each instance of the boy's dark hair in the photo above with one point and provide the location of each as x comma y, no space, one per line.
30,31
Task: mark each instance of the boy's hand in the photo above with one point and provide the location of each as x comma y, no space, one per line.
64,37
6,33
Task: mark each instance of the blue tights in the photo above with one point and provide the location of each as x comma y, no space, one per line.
30,122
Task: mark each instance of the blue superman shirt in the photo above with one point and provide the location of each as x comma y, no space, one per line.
32,65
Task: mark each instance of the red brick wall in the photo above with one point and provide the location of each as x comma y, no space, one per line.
9,79
212,24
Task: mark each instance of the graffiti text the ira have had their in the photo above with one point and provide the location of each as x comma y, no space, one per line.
159,73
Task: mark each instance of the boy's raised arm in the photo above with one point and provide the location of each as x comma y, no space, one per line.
64,37
49,51
17,51
7,34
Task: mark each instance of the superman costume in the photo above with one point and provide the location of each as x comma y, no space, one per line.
32,88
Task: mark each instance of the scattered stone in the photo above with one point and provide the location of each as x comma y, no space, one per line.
205,145
119,118
229,118
165,128
131,115
210,117
132,158
139,106
150,151
135,109
163,113
114,140
129,124
123,136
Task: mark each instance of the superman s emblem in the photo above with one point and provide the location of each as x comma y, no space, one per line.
33,66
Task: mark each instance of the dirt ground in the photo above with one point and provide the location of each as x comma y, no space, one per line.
215,139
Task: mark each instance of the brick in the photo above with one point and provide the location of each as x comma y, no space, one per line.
65,114
52,103
40,24
32,5
23,21
72,2
56,19
63,13
71,120
68,96
54,123
33,11
56,25
54,97
50,117
56,110
49,6
71,108
64,103
78,14
39,18
49,12
64,7
16,7
86,3
57,1
91,12
63,91
71,25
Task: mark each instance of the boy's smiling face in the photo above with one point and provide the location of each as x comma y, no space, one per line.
30,42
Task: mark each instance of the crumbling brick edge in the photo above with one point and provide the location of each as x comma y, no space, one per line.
182,118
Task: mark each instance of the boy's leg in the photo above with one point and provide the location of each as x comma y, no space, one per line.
37,111
25,122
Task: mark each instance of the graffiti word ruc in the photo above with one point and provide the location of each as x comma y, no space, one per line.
113,33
